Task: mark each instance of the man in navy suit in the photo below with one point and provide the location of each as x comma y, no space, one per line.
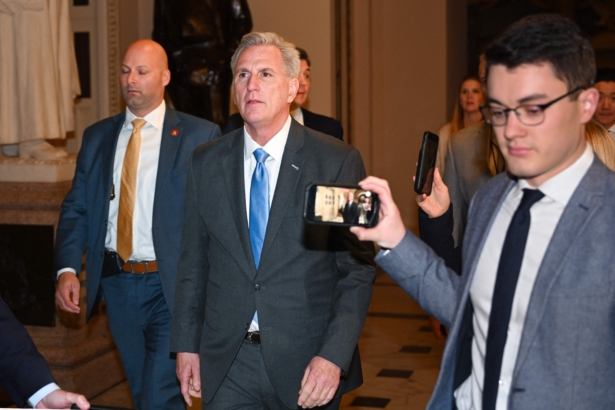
132,230
326,125
24,373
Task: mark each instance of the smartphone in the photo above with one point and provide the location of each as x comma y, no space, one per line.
427,163
340,205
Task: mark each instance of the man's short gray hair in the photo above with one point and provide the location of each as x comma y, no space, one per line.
290,55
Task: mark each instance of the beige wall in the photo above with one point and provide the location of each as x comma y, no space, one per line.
309,25
399,86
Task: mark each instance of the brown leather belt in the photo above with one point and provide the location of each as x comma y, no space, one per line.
140,267
253,337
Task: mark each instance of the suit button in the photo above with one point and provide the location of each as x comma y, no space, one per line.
257,287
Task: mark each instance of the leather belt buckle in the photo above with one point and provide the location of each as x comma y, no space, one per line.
253,337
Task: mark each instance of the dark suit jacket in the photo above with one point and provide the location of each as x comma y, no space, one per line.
350,212
83,220
314,283
566,355
317,122
23,371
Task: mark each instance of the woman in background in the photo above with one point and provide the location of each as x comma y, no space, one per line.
466,113
602,142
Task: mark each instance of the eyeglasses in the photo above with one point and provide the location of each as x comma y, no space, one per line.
527,114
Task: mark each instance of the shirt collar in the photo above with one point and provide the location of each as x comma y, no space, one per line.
561,187
275,146
155,118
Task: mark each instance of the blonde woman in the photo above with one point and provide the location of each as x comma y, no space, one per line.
602,142
466,113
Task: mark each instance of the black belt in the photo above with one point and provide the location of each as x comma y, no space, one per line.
253,337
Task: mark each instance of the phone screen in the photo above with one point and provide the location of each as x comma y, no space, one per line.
346,205
426,164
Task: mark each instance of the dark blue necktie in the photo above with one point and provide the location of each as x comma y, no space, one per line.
504,292
259,207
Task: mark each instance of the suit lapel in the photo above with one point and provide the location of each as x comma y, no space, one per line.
586,200
290,171
232,168
169,144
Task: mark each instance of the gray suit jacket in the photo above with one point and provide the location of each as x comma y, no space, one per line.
467,170
314,283
566,357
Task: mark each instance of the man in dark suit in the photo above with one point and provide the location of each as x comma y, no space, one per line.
126,207
269,310
350,210
24,373
321,123
531,317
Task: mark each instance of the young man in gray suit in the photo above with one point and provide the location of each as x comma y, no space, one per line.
531,318
269,310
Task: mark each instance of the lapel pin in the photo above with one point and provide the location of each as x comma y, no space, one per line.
174,133
296,167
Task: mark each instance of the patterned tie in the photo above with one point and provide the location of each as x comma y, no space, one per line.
259,208
504,292
128,191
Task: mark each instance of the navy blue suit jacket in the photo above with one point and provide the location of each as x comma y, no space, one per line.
317,122
23,371
83,220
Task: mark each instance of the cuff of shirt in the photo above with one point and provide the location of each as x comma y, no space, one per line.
41,394
61,271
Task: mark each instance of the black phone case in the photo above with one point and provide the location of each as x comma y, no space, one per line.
427,163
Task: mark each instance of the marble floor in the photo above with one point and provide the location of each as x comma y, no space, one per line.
400,356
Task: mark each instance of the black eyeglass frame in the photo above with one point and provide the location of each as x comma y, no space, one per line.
542,107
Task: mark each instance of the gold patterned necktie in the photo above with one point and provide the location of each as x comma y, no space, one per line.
128,191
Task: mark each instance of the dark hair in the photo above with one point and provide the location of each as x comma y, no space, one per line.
605,74
304,56
546,38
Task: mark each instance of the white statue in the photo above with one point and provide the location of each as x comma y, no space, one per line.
38,76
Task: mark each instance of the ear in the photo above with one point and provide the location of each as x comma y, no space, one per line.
293,86
588,99
166,77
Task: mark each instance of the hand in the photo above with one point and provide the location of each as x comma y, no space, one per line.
319,383
390,229
60,399
67,292
188,371
436,327
439,201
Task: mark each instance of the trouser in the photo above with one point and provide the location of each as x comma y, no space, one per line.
140,323
247,386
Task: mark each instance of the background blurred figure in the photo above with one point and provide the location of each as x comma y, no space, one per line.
605,114
321,123
466,113
602,143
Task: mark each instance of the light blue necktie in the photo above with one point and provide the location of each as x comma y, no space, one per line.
259,207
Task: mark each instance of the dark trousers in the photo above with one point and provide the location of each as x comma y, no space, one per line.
247,385
140,323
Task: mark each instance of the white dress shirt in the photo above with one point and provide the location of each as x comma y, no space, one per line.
41,394
275,149
298,115
151,136
545,215
612,131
